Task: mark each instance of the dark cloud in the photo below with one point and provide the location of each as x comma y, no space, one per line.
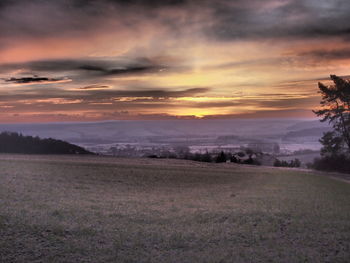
223,20
283,19
74,64
5,3
21,19
98,67
128,70
327,54
95,86
144,3
91,95
32,80
162,93
149,3
75,4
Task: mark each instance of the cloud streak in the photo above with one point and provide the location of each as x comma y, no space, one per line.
328,54
36,80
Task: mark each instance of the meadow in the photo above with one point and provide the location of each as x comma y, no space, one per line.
104,209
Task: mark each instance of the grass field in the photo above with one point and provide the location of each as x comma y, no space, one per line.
99,209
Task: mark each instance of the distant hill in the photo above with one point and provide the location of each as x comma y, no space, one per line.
144,131
12,142
101,136
316,132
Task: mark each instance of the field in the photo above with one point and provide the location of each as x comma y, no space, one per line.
100,209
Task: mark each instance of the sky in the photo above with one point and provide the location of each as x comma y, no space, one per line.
85,60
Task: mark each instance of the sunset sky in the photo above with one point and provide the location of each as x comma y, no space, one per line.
85,60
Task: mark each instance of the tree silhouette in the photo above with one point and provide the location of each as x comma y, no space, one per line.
335,108
206,157
221,158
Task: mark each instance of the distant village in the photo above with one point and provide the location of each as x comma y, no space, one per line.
251,153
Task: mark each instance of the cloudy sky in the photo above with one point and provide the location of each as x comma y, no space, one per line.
85,60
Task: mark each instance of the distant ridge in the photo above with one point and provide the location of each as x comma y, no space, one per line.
12,142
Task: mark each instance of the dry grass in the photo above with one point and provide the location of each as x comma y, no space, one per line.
94,209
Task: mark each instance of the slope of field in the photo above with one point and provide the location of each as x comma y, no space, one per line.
98,209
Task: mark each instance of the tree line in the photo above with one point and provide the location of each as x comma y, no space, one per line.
12,142
292,163
245,156
242,157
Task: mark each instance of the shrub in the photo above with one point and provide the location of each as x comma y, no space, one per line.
221,158
333,163
292,163
206,158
